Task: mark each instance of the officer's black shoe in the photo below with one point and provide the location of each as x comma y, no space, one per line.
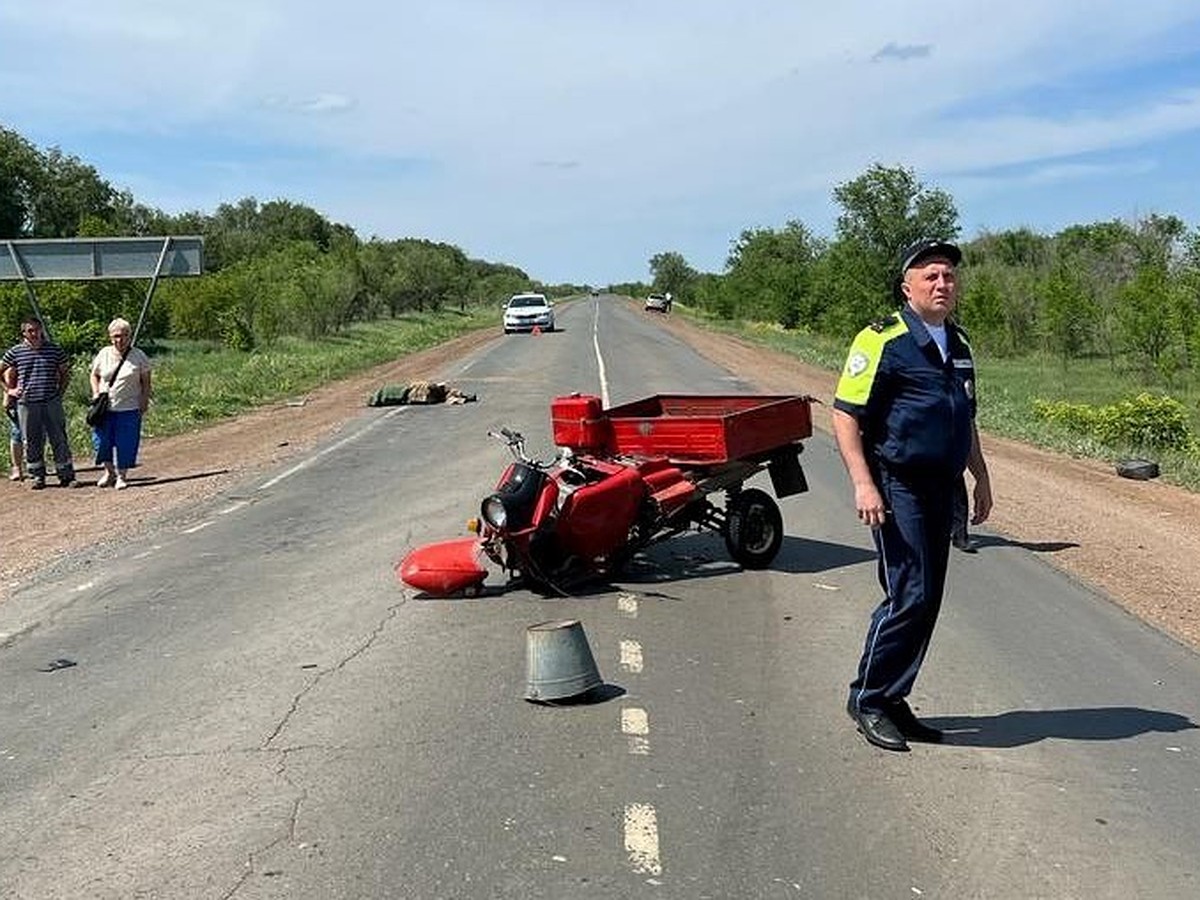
877,728
963,542
910,726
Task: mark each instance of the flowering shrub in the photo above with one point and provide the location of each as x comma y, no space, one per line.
1149,421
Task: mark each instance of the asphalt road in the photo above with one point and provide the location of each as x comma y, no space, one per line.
258,710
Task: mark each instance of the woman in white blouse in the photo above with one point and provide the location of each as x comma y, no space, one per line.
118,436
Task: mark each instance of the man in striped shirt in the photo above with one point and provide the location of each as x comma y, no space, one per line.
38,371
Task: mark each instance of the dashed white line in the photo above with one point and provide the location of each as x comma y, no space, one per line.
641,839
300,467
635,725
631,656
634,721
332,448
627,605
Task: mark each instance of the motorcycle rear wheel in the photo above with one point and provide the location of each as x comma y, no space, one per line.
753,528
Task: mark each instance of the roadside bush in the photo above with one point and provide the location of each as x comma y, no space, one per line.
81,338
1149,421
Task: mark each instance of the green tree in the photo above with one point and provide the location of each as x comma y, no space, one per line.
884,210
1145,330
1159,239
68,192
1020,247
981,309
280,221
1188,299
1067,314
771,271
709,294
671,273
847,283
1104,257
48,194
19,163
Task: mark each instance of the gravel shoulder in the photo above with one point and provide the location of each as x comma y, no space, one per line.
1136,542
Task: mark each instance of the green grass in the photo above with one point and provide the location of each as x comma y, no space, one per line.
1008,389
198,383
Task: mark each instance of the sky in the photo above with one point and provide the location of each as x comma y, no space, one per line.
576,139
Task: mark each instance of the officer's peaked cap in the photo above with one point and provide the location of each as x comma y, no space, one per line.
925,248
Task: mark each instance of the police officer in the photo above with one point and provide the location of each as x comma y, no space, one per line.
904,419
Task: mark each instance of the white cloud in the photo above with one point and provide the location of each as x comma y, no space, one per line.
319,104
1008,140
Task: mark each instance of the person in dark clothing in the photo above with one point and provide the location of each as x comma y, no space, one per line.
904,420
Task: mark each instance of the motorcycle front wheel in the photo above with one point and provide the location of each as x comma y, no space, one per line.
753,528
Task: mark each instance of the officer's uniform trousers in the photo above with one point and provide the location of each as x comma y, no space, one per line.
914,548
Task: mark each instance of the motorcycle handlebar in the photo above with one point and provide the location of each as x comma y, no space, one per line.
506,435
513,440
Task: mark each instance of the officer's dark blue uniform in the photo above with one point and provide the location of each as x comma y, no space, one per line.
916,415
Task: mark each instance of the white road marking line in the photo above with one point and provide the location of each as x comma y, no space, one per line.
641,838
87,585
635,725
634,721
627,605
332,448
599,357
631,656
639,746
302,465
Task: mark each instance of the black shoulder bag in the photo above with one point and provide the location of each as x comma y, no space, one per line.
98,407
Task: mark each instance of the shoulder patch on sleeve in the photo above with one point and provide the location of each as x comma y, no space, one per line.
857,363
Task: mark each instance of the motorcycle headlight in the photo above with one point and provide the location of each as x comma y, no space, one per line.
494,513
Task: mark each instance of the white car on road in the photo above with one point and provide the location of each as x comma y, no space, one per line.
525,312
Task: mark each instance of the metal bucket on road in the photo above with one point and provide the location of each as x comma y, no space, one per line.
559,662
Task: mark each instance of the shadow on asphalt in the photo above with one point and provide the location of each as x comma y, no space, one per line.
1020,727
983,541
684,558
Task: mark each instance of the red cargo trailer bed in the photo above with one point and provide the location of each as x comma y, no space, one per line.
695,429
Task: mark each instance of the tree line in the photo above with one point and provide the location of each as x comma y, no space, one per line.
1125,291
273,268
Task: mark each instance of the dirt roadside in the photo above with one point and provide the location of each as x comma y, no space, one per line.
1137,542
